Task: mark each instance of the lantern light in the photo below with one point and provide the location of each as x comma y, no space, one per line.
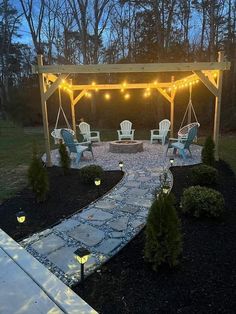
20,216
97,181
166,189
82,255
121,165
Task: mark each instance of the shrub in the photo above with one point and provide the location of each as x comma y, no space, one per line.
38,177
202,201
64,158
89,173
163,237
208,152
204,175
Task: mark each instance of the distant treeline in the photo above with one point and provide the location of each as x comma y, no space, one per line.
112,31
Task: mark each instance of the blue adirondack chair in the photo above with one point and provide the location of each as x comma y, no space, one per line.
74,146
181,145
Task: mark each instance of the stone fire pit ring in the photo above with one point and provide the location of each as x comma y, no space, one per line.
126,146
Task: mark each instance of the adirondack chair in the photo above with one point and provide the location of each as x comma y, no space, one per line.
88,135
181,145
126,130
74,146
164,127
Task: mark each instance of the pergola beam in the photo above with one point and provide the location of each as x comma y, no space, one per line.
164,93
205,80
131,68
54,86
81,94
120,86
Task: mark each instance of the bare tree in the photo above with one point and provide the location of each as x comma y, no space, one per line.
35,20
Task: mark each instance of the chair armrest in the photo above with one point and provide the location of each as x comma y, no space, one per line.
83,143
173,139
154,130
119,131
94,132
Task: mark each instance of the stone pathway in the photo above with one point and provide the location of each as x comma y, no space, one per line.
109,223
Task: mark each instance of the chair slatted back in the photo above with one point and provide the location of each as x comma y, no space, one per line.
164,126
192,133
69,140
126,127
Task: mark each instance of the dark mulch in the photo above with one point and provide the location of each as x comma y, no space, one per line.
204,283
67,195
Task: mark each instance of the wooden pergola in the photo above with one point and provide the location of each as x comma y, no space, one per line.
209,73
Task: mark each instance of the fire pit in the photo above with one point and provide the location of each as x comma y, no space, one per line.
126,146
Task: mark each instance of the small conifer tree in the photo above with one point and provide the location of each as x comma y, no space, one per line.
38,177
64,158
208,152
163,236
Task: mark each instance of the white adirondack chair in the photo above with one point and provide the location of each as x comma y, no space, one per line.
91,136
161,133
126,131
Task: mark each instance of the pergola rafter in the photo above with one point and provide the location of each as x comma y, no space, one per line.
209,73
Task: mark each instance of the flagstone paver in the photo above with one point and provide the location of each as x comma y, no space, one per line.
95,214
87,234
107,246
119,224
65,259
66,225
109,223
48,244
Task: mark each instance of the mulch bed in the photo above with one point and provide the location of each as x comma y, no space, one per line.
67,195
205,282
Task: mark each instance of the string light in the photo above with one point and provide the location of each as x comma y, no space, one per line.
93,83
127,96
122,90
155,82
107,96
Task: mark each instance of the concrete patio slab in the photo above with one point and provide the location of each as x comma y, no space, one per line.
28,287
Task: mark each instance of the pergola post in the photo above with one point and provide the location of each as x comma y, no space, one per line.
218,107
172,108
72,107
44,113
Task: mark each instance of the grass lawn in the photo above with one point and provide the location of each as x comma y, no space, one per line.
16,148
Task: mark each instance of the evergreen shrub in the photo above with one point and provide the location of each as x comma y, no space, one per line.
208,152
64,158
89,173
38,177
163,243
204,175
202,201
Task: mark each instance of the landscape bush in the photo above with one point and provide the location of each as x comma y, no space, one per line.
163,243
204,175
202,201
64,158
208,152
38,177
89,173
